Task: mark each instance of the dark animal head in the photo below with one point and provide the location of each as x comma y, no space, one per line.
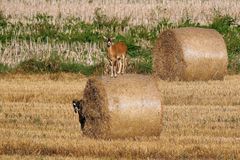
78,108
77,105
109,41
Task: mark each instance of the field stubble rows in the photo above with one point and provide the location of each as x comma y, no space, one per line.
37,120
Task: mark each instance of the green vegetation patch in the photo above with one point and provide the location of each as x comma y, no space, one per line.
53,65
228,27
4,68
140,39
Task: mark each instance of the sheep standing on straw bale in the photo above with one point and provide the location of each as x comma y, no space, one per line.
116,55
132,110
190,54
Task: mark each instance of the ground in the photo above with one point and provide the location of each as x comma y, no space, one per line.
201,121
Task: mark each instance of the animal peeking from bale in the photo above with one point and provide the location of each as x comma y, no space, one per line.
78,108
117,56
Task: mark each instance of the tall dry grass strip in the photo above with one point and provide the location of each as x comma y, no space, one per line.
146,12
128,106
16,52
190,54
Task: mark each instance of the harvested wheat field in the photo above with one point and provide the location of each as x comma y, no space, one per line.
200,121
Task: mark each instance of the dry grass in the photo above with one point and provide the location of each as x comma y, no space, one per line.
141,12
37,121
16,52
25,157
221,93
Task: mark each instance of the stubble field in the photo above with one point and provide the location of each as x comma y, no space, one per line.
201,121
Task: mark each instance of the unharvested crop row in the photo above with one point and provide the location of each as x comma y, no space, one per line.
141,11
16,52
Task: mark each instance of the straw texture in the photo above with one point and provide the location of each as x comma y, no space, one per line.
190,54
127,106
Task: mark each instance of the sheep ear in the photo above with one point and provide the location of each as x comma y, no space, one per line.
113,39
81,102
105,37
74,102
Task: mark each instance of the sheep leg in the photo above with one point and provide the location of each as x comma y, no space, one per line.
82,121
111,63
115,69
123,65
120,66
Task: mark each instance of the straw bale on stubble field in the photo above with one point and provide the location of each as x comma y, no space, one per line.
190,54
201,119
128,106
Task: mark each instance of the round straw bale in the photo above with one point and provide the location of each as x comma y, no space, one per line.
127,106
190,54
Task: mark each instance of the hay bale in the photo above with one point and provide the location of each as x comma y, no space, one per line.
190,54
127,106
